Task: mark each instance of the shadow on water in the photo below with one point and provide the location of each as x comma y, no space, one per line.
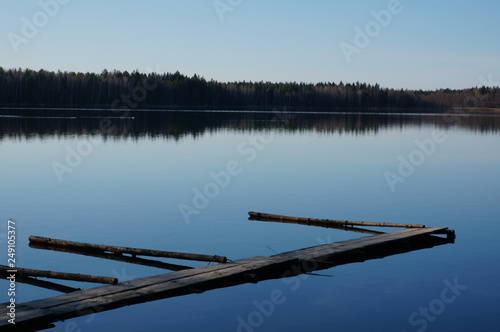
46,124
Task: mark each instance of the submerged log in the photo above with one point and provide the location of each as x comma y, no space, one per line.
47,284
126,250
318,222
321,224
22,272
116,257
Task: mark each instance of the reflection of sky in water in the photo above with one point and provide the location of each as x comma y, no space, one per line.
127,192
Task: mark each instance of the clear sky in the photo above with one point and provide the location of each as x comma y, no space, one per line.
414,44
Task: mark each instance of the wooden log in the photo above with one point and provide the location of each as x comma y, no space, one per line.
47,284
126,250
116,257
280,218
322,224
22,272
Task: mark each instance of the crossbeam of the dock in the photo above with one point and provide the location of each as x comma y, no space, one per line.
46,311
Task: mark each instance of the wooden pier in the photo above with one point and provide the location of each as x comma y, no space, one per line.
40,314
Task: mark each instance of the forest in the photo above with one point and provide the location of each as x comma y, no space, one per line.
121,89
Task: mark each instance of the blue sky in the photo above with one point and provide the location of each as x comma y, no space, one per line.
423,44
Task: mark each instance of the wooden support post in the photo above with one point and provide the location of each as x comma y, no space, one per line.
126,250
22,272
450,235
306,221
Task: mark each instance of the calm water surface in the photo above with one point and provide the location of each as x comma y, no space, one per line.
65,178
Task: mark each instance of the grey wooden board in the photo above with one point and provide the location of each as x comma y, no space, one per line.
112,296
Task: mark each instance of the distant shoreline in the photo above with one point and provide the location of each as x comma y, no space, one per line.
472,110
365,110
174,91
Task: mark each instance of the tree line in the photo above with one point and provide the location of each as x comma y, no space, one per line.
121,89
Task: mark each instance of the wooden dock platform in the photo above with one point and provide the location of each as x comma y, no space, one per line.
40,314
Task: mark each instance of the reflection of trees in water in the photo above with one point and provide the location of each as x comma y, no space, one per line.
28,124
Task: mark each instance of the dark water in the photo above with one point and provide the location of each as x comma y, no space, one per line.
95,177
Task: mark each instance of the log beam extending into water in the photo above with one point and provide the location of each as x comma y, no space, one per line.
22,272
116,257
126,250
47,284
325,222
321,224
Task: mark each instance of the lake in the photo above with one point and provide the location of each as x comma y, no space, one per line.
185,181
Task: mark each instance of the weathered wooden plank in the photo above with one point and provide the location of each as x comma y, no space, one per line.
100,302
129,285
357,244
103,299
